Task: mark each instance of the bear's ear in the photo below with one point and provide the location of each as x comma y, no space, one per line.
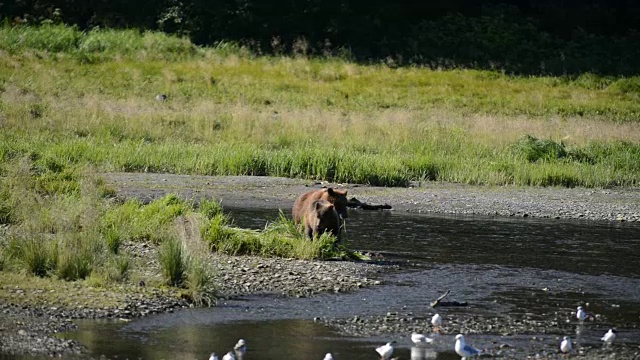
330,191
317,205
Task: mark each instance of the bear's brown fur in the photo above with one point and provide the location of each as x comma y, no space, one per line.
321,217
337,197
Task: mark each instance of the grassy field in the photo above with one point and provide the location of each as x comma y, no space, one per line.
75,104
90,99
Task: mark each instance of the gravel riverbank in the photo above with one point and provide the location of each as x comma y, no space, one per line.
29,320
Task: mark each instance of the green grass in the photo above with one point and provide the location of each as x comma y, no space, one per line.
172,261
73,229
281,238
231,113
74,104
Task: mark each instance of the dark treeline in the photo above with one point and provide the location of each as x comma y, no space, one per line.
517,36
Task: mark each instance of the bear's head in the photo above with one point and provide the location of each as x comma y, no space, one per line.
339,199
328,218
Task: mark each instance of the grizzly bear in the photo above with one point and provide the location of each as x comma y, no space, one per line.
337,197
321,217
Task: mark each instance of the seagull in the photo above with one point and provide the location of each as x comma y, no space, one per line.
213,356
565,345
580,314
385,351
240,348
463,349
420,339
229,356
436,321
328,357
609,337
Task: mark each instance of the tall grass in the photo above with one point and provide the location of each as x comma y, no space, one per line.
230,113
94,45
280,238
172,261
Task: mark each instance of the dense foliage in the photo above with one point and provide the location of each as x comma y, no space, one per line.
517,36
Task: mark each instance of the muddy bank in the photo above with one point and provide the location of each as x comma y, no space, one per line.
437,198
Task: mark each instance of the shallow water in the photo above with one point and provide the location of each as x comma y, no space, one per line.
500,266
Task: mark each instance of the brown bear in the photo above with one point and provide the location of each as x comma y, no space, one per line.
321,217
337,197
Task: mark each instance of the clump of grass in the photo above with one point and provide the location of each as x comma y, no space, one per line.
172,261
37,254
117,268
533,149
217,232
112,239
52,38
280,238
210,208
137,221
200,281
77,255
96,44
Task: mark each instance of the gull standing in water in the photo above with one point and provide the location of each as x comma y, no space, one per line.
580,314
240,348
213,356
565,345
229,356
436,321
419,339
328,357
609,337
463,349
385,351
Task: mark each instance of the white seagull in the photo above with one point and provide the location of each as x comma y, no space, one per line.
229,356
609,337
385,351
565,345
420,339
436,321
213,356
328,357
240,348
463,349
580,314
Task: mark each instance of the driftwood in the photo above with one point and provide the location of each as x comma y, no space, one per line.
439,302
355,203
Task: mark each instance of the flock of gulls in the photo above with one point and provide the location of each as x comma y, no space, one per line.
420,341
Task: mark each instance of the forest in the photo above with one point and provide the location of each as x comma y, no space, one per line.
521,37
